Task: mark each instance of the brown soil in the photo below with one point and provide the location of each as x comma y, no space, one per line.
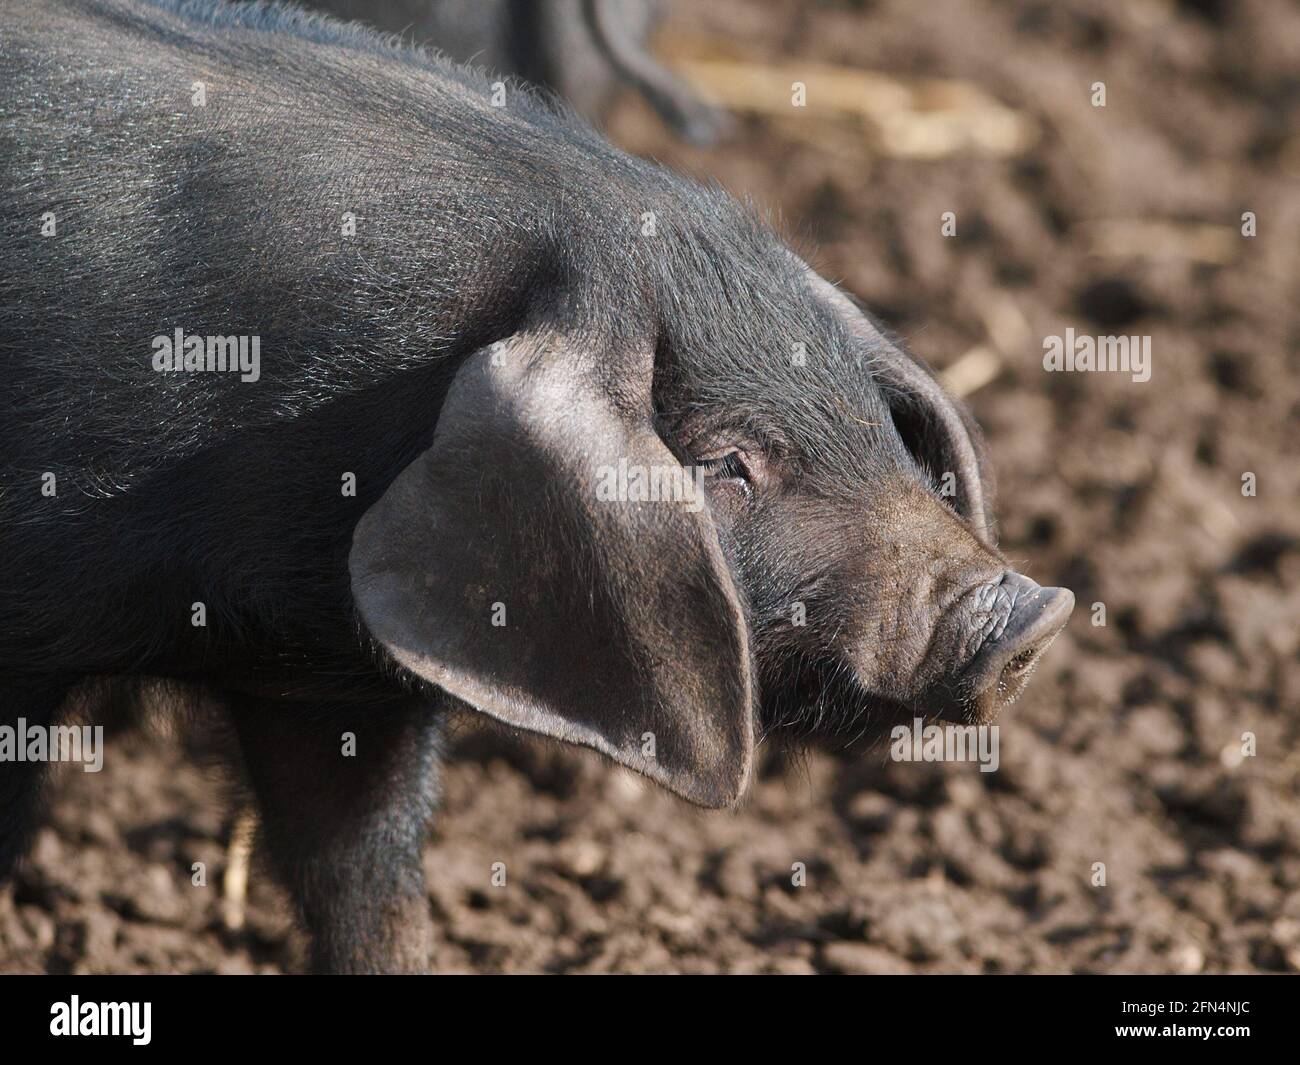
1126,749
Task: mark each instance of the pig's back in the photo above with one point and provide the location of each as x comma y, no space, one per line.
346,202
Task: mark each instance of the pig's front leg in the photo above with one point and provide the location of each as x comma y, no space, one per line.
36,702
346,796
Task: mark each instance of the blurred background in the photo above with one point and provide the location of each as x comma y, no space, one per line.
1128,748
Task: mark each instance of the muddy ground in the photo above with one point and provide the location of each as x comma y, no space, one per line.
1127,749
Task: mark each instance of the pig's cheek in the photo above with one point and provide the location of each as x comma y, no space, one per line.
729,502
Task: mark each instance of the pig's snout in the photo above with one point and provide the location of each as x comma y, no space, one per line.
1014,620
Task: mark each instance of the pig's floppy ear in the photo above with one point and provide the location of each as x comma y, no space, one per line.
498,567
938,427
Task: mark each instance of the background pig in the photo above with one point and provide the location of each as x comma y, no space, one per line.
585,50
399,514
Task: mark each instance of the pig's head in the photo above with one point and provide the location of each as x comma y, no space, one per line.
667,537
855,504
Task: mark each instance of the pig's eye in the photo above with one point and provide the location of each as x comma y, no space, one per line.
729,466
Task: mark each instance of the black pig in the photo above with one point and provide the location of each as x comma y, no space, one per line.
476,330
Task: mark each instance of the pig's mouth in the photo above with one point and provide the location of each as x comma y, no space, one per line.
818,700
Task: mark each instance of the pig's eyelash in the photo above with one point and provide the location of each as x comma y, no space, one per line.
730,466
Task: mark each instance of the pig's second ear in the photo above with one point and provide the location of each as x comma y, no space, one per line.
502,566
938,428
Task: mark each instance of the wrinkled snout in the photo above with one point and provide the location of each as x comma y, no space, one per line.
1013,620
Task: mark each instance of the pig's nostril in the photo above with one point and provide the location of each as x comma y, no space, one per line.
1021,663
1015,674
